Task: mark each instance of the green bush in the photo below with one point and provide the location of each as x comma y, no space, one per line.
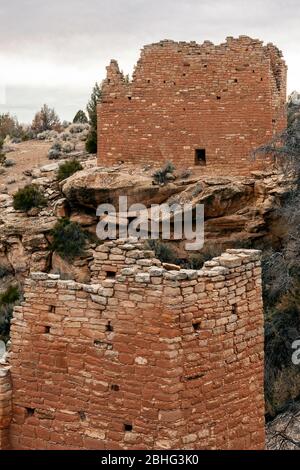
4,271
10,296
28,197
194,262
282,328
2,154
161,175
163,251
7,301
68,169
68,239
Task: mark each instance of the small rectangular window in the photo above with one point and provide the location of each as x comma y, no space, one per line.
111,274
200,157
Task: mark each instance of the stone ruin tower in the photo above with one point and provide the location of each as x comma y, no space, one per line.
195,105
146,356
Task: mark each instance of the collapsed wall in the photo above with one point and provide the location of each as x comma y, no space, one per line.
142,358
195,105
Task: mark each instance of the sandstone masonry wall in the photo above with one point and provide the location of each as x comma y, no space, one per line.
143,358
226,99
5,407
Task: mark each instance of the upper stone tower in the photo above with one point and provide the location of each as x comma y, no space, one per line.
196,105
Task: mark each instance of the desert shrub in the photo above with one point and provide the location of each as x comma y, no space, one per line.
54,154
68,147
163,251
10,296
194,262
65,136
161,175
7,301
83,136
28,197
68,239
208,252
78,128
57,145
8,163
68,168
16,140
9,125
55,150
4,271
2,151
28,134
47,135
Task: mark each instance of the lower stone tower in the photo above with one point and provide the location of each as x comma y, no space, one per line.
145,357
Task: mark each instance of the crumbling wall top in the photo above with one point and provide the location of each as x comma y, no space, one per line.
130,258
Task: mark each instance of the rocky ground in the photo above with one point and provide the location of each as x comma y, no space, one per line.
25,156
283,433
238,211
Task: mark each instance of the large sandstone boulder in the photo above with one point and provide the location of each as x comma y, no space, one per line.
91,187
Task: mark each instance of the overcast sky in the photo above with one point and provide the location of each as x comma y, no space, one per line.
53,52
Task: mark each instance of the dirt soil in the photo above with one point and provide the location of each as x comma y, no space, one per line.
27,155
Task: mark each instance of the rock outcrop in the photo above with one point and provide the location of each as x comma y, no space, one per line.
283,433
237,210
91,187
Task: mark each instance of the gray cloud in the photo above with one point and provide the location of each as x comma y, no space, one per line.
66,44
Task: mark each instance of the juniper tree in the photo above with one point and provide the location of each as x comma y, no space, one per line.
91,143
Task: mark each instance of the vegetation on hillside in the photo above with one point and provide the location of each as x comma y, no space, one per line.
46,119
7,301
281,276
162,175
68,169
10,127
69,239
28,197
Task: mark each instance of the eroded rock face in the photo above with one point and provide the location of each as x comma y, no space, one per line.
23,242
94,186
283,433
237,209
